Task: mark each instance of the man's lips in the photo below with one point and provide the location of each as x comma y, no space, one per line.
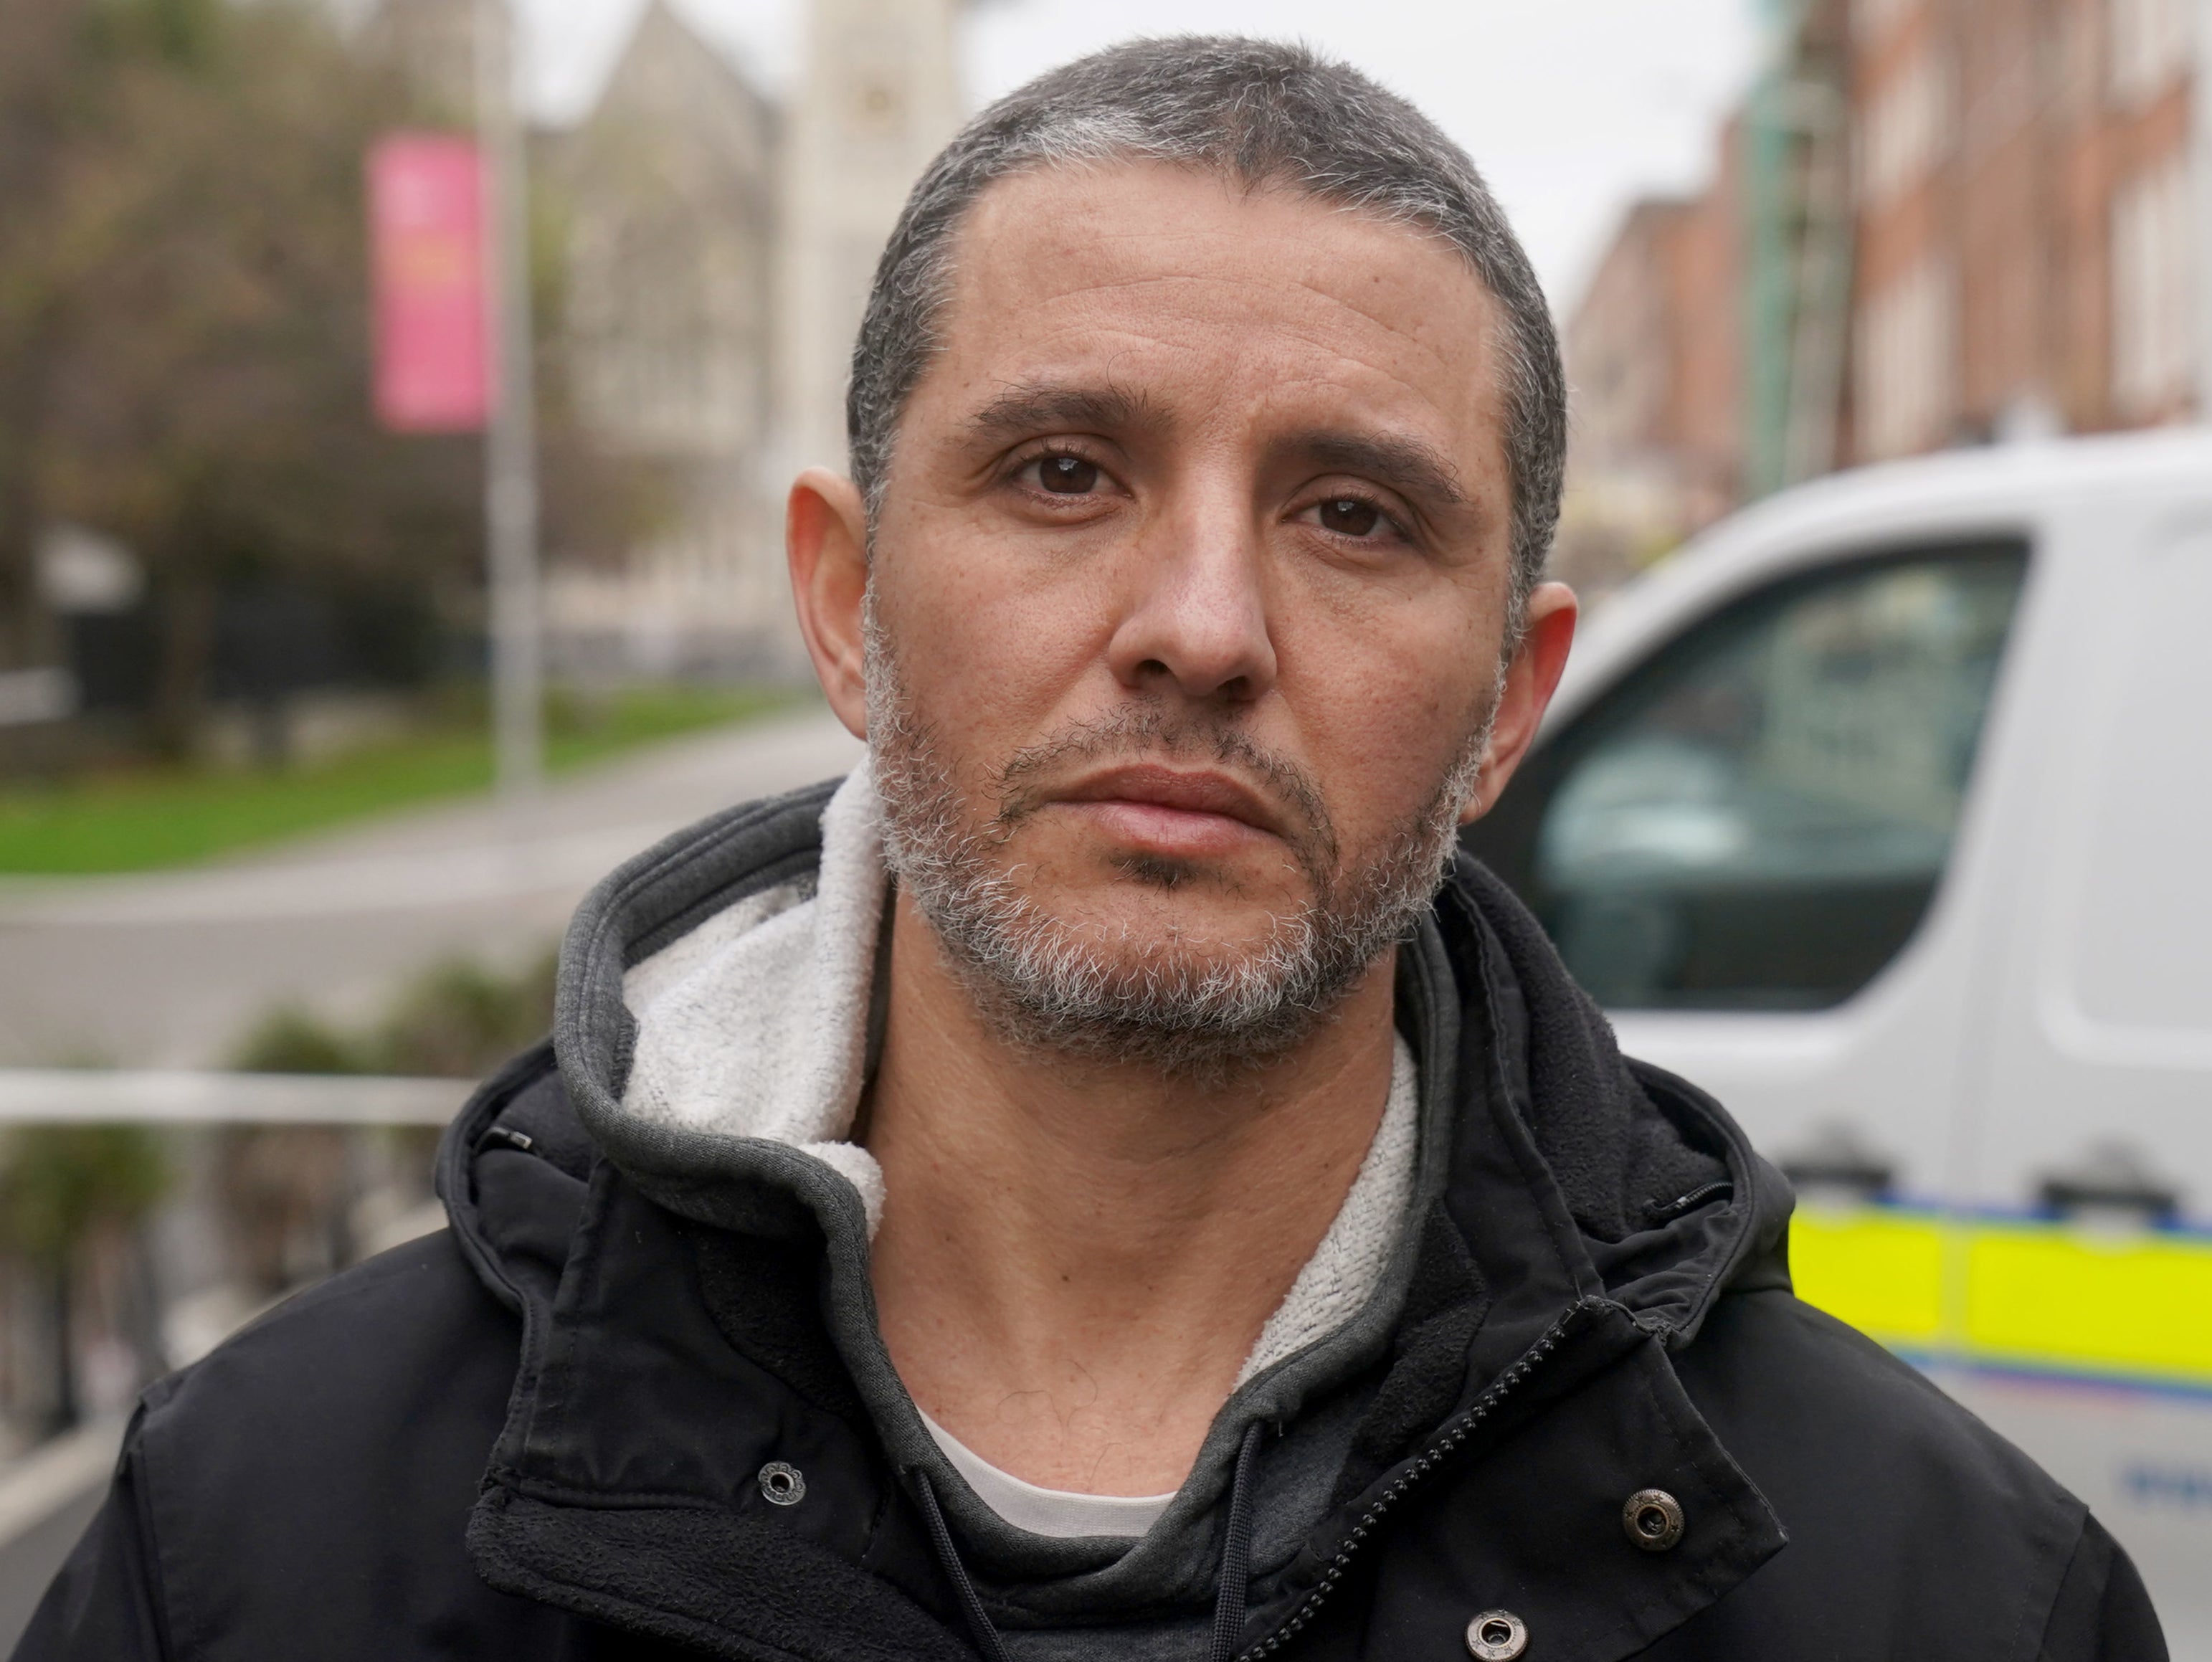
1173,812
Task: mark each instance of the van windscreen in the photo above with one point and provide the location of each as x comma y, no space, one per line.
1758,816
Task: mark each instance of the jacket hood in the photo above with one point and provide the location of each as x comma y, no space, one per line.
1650,1180
1568,1205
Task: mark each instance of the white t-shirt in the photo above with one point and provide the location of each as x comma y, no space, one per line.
1063,1513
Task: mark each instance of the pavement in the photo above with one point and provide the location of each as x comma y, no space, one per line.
46,1498
171,969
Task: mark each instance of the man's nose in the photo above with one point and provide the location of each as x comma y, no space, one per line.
1197,622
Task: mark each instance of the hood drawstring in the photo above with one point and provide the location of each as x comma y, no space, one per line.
1236,1556
979,1621
1229,1590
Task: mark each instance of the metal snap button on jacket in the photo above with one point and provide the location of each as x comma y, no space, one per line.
1653,1518
1497,1636
782,1485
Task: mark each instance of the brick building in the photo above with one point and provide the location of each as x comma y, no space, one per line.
1653,358
2020,251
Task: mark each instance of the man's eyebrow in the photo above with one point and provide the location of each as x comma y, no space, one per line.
1035,408
1410,465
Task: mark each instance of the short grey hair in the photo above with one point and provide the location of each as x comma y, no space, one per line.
1262,113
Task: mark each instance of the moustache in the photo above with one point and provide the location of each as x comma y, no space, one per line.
1023,785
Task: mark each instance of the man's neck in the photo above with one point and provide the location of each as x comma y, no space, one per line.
1076,1256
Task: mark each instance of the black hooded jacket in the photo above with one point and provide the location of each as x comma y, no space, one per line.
555,1430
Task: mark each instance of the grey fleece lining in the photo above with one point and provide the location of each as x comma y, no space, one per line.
754,1024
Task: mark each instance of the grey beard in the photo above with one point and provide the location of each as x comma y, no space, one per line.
1082,991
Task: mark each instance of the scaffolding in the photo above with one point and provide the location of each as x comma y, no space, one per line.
1797,246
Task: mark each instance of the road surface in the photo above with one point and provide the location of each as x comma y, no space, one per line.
172,969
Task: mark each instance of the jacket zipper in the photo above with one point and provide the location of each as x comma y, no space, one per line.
1446,1444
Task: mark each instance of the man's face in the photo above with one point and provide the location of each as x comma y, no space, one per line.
1190,580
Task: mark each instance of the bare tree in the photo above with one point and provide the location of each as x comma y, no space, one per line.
184,313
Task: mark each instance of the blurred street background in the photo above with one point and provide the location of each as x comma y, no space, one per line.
380,567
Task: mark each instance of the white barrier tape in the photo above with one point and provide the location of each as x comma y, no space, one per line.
29,1095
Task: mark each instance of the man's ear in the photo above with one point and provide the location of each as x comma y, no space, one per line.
825,538
1530,680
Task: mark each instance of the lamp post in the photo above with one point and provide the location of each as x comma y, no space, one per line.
517,672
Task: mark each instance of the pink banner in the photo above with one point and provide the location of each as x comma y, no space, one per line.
426,213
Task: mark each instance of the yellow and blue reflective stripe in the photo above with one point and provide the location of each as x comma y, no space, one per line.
2028,1294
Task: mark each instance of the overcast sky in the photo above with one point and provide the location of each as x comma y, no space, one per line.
1572,108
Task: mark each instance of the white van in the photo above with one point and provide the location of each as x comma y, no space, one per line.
1884,812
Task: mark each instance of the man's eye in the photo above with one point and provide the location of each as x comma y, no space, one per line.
1348,516
1067,475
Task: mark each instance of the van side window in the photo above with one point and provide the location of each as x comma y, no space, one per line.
1757,818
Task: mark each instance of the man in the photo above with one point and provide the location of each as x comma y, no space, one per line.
1109,1180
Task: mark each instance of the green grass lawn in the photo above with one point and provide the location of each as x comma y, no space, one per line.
139,820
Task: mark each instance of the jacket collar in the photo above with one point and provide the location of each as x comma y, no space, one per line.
1590,1214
